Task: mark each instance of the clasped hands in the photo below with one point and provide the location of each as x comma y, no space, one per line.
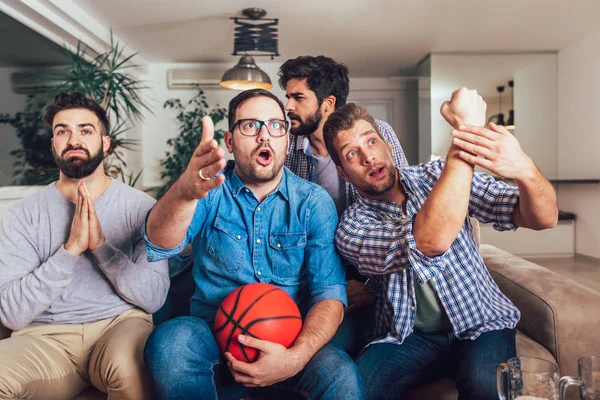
86,232
493,148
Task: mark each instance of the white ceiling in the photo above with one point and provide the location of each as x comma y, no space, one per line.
373,37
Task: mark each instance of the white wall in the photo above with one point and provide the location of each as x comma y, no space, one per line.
10,103
579,139
535,97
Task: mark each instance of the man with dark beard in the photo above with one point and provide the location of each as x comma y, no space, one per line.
315,87
75,285
256,222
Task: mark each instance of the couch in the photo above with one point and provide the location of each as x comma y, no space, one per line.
560,318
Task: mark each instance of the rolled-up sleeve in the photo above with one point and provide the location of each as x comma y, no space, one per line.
493,201
156,253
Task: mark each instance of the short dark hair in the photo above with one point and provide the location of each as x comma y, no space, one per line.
246,95
324,76
341,120
69,101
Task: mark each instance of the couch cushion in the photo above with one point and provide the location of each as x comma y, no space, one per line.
527,347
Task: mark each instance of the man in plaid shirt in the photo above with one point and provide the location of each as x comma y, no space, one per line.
316,87
439,311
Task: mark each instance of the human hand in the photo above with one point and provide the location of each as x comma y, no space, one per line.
358,296
464,107
79,237
96,236
495,149
275,363
207,160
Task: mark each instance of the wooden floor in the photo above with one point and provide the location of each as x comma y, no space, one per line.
584,270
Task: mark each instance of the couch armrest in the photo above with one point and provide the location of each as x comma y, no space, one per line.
557,312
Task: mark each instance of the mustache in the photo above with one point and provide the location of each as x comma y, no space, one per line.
294,116
260,147
69,148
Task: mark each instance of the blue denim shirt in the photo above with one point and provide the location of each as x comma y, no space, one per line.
287,240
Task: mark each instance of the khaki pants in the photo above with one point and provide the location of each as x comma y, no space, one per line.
58,361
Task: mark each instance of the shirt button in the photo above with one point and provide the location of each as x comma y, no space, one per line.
257,240
259,273
258,209
247,190
278,245
239,237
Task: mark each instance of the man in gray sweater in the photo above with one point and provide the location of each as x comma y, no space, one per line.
75,284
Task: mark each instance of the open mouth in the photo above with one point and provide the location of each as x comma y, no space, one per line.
264,156
376,172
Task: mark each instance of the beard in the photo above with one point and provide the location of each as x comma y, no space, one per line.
250,172
75,167
307,127
373,189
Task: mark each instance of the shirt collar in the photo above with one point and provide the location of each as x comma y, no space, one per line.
302,144
237,186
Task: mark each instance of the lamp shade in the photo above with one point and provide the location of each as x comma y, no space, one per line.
245,75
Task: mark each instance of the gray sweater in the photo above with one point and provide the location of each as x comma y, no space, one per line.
40,282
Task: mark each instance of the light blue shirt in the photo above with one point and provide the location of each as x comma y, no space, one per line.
286,240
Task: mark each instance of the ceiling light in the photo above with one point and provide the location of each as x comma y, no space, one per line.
254,36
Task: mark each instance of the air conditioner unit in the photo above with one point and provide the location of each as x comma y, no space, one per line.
34,80
206,77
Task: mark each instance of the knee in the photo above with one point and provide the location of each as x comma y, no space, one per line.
9,388
177,341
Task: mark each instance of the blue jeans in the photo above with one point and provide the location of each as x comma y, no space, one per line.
356,330
389,370
184,363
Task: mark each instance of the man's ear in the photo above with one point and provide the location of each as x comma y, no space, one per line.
328,105
229,141
342,174
105,143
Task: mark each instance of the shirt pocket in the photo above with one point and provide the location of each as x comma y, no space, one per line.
287,250
228,244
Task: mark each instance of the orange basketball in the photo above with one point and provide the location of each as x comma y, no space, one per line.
259,310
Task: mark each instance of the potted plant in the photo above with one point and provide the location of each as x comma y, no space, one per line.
189,118
104,78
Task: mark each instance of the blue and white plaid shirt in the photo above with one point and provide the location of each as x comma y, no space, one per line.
301,161
376,237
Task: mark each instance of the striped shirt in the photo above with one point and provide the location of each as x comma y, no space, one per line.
376,237
302,162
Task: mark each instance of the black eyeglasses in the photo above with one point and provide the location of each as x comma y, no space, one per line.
251,127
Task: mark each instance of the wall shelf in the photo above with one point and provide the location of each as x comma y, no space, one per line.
593,181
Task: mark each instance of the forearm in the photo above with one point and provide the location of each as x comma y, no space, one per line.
25,298
137,281
170,218
537,202
441,218
320,325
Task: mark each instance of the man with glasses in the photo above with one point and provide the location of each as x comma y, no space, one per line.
256,222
